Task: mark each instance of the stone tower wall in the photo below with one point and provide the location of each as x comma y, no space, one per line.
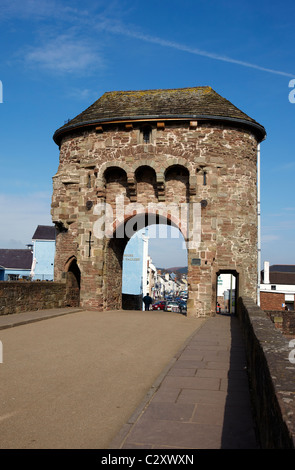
184,163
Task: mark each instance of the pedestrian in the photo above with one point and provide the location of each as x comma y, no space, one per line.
147,300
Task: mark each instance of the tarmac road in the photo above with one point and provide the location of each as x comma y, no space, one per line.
72,382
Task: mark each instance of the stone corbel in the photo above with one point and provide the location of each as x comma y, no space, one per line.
192,185
101,192
61,226
70,178
132,188
161,187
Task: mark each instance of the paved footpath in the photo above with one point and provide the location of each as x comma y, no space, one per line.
203,402
123,380
72,380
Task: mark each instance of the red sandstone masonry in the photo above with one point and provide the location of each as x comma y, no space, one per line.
18,296
169,169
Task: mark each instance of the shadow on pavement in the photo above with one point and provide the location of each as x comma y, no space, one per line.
238,426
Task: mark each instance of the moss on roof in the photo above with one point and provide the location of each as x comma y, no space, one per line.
172,103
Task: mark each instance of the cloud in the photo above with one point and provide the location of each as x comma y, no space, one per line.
35,10
50,56
119,29
64,54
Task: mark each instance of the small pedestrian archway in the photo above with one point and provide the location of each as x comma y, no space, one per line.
118,249
73,279
227,291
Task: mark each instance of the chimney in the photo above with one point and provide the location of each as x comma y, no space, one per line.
266,272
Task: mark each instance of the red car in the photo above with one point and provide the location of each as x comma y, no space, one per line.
159,305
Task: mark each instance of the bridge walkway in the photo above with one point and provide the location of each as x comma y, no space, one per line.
203,401
192,393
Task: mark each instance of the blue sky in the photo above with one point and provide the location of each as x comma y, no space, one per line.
58,57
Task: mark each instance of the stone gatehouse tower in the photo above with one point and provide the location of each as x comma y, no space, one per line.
189,147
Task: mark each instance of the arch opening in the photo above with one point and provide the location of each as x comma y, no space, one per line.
146,260
177,184
115,179
227,291
146,184
73,280
133,263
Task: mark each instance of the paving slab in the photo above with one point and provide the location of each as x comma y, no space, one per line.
203,402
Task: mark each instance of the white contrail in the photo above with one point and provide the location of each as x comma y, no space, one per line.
196,51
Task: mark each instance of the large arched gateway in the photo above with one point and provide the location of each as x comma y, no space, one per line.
186,155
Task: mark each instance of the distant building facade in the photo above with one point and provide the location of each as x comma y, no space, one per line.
277,288
15,264
134,280
43,253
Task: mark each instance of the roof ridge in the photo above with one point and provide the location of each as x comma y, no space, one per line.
158,89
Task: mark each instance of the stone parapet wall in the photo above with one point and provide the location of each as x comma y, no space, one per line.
271,375
17,297
283,320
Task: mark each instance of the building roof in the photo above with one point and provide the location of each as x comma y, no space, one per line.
282,278
282,268
281,274
16,259
200,102
44,232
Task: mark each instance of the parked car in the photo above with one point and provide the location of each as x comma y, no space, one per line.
160,305
171,306
182,306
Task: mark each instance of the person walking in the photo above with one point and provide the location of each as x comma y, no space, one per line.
147,300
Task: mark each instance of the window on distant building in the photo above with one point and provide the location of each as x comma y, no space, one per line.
13,277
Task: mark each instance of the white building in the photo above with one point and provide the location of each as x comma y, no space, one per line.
277,287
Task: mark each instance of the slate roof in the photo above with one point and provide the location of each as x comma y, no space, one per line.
282,278
191,103
16,259
281,274
282,268
44,232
